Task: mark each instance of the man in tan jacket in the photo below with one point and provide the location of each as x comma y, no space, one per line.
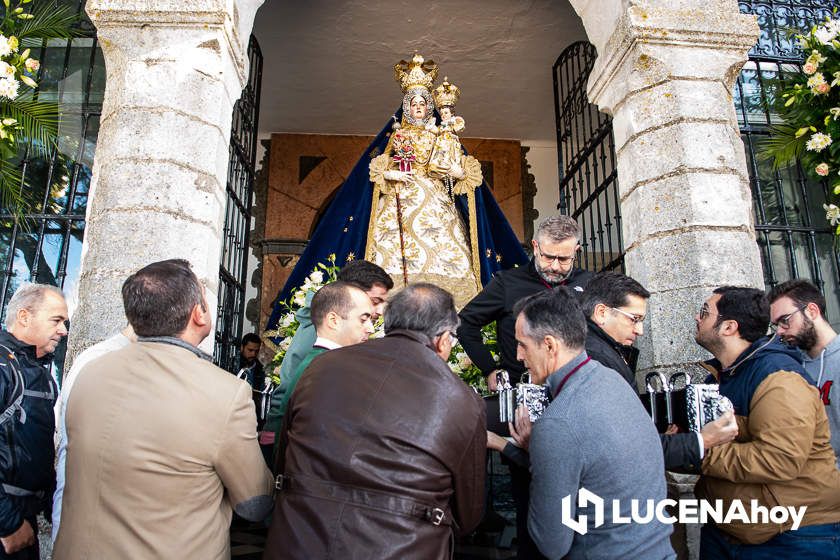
161,443
782,457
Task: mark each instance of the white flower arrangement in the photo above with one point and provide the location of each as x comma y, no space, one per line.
323,274
809,104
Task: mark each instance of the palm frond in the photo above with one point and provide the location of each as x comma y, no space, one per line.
10,189
39,120
51,22
782,146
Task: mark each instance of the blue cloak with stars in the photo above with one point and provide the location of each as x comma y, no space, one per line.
343,228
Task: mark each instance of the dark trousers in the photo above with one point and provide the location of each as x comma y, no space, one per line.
811,542
520,488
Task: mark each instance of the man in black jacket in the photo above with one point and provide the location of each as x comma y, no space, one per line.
555,246
615,306
35,323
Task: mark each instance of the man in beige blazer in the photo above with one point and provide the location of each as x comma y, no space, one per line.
161,443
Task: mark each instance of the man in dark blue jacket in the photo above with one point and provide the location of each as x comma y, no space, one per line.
783,455
36,322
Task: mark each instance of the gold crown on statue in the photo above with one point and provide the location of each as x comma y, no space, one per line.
446,94
418,72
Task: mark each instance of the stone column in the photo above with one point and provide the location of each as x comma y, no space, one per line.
174,71
666,73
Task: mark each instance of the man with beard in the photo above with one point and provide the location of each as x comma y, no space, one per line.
782,456
797,312
555,247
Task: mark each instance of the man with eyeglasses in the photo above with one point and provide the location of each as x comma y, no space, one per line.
797,312
555,246
782,456
615,306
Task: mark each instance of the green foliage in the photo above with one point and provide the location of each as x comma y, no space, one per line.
809,105
461,364
287,326
324,273
48,21
27,124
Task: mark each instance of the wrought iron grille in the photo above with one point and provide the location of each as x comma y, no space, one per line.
240,185
586,161
45,245
794,238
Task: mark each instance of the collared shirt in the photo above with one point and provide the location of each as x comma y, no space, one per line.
326,343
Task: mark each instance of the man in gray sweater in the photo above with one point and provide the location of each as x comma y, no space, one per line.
797,314
595,435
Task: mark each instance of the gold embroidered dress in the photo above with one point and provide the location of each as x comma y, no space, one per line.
438,247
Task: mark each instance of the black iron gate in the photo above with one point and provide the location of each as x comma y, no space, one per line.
44,245
794,238
240,186
586,161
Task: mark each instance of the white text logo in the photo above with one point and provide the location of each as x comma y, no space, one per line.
688,511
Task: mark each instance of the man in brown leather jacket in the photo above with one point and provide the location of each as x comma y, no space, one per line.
382,446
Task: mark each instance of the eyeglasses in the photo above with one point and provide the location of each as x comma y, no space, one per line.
784,320
705,312
559,258
635,319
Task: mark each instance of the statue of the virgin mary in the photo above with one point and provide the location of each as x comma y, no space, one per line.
417,234
420,224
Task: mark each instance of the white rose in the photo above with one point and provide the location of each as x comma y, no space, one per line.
300,298
825,34
317,276
9,88
287,320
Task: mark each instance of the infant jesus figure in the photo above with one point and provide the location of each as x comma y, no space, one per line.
446,152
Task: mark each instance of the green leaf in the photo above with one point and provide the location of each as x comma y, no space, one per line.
38,120
51,22
10,189
782,146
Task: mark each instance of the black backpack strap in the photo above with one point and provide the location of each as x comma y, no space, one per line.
15,404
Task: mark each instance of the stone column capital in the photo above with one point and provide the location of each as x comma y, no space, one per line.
655,41
234,18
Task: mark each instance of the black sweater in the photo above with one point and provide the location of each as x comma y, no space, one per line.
495,303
